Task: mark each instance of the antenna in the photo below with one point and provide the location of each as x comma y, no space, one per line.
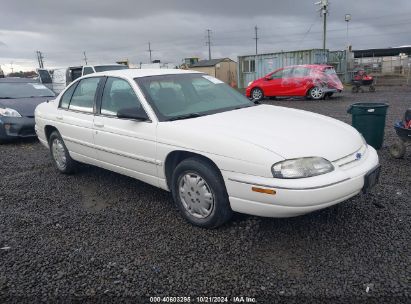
256,39
150,51
85,57
208,42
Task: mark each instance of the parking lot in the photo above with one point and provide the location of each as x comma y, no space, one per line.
102,235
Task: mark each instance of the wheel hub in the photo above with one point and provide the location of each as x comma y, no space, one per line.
59,154
195,195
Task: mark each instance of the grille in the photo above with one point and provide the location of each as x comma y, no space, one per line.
351,158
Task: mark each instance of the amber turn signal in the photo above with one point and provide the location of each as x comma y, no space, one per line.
265,191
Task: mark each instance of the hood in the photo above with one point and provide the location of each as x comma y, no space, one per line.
25,106
289,133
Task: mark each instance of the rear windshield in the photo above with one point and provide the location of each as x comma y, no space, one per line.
102,68
13,90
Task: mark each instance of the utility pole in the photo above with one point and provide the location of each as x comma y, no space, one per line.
324,11
208,42
85,57
347,20
256,39
150,51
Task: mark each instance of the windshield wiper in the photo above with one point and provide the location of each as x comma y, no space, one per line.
185,116
5,97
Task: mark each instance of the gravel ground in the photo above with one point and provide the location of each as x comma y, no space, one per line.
100,236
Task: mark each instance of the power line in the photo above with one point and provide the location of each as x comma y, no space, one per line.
208,42
256,39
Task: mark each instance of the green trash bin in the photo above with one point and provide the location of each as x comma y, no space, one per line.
369,120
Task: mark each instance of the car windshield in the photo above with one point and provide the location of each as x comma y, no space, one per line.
182,96
102,68
14,90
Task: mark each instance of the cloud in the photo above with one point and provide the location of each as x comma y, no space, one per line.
110,30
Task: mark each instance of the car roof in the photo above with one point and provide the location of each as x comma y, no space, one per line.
18,80
310,66
136,73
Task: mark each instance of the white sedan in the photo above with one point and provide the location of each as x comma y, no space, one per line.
216,151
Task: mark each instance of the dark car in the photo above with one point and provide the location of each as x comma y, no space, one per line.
18,99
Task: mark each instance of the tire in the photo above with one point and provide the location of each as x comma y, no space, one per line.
61,157
371,88
316,93
257,94
199,192
397,150
354,89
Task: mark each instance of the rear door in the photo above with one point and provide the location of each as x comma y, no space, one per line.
124,145
75,116
300,81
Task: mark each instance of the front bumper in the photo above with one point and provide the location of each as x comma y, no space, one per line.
16,127
298,196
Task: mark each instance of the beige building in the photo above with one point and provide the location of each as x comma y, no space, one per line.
224,69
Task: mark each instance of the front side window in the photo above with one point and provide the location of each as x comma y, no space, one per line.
277,75
84,94
118,94
180,95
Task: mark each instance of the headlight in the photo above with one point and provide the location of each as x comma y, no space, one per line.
9,112
301,167
250,83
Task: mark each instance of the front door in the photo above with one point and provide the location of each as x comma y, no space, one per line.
124,145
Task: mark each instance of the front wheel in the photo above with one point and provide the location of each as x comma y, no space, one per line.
199,191
316,93
257,94
62,159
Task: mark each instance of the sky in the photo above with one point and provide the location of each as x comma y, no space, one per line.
111,30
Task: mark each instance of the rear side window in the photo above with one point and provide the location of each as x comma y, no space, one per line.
84,94
300,72
65,99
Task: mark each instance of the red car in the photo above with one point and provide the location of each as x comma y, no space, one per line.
310,80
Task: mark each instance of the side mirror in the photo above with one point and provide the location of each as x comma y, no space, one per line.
267,77
133,113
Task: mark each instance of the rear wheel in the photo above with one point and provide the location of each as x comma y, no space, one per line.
62,159
257,94
354,89
316,93
371,88
199,191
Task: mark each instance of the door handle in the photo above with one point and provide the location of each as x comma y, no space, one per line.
59,117
99,124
